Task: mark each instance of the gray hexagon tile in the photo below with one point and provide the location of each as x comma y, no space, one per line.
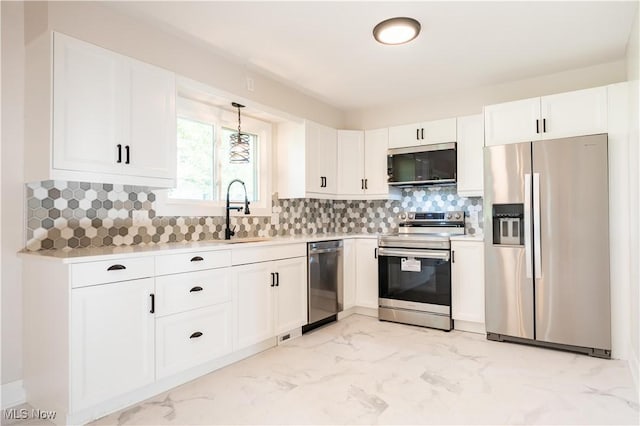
80,214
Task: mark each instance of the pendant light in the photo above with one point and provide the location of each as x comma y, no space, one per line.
240,147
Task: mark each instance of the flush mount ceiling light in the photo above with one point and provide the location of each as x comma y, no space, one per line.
396,30
240,147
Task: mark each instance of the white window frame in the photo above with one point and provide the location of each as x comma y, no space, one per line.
218,117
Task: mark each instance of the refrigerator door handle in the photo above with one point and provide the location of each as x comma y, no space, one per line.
527,225
537,252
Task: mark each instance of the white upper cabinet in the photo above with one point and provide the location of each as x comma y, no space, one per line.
321,169
351,159
307,160
362,164
430,132
583,112
470,156
113,118
577,113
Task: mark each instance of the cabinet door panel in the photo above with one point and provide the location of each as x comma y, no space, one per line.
467,281
583,112
512,122
349,273
313,154
291,305
440,131
351,154
404,136
112,341
376,144
87,114
470,155
366,273
254,303
151,123
328,150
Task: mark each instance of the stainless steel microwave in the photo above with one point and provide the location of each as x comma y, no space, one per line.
422,165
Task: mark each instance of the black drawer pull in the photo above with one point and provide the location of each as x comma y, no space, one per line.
196,259
119,153
116,267
195,335
153,303
196,288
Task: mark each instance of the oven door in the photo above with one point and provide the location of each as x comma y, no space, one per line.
416,279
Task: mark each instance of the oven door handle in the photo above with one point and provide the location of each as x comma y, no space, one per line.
419,254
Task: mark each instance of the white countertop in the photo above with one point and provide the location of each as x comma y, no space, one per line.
111,252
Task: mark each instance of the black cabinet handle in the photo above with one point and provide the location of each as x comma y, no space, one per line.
277,279
273,279
422,133
153,303
126,148
117,267
196,288
453,256
366,184
537,126
197,259
195,335
119,153
544,125
417,134
375,253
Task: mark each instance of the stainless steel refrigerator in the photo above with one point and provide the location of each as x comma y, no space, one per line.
547,244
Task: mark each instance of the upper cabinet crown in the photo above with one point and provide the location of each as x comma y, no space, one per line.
582,112
430,132
112,118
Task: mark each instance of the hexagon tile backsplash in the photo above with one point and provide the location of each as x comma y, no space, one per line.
64,215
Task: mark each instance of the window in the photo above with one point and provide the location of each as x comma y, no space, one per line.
203,167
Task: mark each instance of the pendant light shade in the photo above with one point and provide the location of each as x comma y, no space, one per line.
239,146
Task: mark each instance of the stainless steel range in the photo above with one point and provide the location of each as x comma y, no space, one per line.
414,269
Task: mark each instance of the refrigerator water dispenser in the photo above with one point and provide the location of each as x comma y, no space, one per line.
508,224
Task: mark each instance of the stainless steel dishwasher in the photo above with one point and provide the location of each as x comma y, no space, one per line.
325,292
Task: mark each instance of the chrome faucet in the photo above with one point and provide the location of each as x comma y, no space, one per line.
228,233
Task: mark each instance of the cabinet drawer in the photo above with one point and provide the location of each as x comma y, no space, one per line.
242,256
191,290
91,273
196,261
192,338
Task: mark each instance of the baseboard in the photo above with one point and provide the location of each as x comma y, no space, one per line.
370,312
13,394
471,327
346,313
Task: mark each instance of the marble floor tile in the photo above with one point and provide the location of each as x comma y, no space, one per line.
362,371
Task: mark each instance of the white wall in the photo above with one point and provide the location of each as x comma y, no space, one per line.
633,62
12,225
471,101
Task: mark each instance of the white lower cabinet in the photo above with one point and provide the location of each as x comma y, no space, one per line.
192,338
349,273
367,273
271,298
467,285
112,341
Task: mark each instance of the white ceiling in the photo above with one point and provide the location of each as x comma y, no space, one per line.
326,48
